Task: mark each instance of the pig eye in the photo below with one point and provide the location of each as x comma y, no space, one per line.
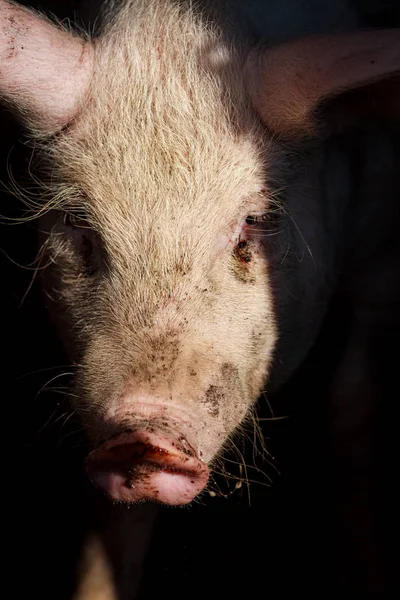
258,227
85,242
256,219
74,221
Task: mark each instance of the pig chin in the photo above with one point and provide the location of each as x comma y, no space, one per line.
151,454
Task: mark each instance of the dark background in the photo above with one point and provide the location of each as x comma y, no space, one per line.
285,540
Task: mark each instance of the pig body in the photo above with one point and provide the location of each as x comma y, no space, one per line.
192,251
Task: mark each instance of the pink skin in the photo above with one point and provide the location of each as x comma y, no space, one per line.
143,465
44,70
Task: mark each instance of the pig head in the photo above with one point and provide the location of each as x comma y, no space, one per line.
162,147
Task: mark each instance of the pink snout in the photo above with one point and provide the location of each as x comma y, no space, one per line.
134,466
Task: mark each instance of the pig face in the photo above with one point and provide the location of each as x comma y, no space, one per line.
157,279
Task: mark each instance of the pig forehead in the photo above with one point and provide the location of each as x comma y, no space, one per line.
166,130
169,150
163,184
141,178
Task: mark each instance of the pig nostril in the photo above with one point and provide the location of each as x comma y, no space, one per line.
124,458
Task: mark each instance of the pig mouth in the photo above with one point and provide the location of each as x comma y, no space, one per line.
135,466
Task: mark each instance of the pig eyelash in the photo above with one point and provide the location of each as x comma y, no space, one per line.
264,224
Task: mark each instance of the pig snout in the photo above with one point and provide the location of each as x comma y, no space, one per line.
138,465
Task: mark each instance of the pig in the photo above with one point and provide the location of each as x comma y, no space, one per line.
176,266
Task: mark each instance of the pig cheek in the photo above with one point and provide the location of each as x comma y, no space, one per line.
56,303
235,410
262,344
66,297
226,405
101,380
218,428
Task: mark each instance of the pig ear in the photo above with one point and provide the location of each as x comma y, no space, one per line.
45,71
289,82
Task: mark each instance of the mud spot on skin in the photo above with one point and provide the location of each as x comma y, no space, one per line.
242,252
16,28
242,258
213,398
230,374
183,265
185,447
163,353
216,396
256,341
